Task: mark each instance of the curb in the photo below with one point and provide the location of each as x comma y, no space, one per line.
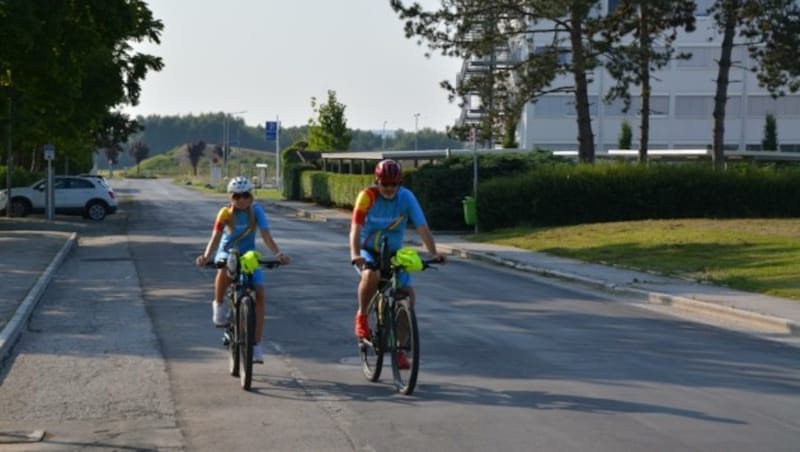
11,332
785,326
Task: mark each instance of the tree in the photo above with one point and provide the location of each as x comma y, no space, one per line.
65,65
194,151
625,135
139,151
650,27
328,132
771,32
478,28
770,141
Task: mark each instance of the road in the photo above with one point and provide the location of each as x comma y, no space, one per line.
122,355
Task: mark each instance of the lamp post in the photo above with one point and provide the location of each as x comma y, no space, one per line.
383,136
416,130
226,141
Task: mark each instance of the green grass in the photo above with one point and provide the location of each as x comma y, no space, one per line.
199,185
754,255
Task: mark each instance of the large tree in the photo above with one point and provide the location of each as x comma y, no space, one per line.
194,151
770,29
65,66
638,40
139,151
328,131
563,30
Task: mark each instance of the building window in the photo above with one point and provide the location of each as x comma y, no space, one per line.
702,57
659,106
733,107
693,106
559,106
760,106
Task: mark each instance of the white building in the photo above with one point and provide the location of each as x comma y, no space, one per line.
682,102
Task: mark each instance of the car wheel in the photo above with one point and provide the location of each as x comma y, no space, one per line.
20,207
96,210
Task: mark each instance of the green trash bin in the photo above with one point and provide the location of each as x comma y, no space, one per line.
470,213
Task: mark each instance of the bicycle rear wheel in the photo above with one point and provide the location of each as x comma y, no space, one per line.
371,350
406,342
247,334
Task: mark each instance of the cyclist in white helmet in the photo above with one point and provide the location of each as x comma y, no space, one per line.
236,226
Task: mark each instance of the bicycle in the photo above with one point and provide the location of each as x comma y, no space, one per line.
239,335
392,321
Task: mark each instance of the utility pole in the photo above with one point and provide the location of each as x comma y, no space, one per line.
416,130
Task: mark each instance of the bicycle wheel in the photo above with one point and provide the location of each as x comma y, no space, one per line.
247,330
371,350
233,342
406,337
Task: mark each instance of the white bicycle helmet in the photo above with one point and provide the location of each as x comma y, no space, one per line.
240,184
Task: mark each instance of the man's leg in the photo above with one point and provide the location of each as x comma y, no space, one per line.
366,289
219,309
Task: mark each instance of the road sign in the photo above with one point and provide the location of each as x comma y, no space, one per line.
49,152
271,130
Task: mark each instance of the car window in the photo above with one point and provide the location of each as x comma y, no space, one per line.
80,183
61,183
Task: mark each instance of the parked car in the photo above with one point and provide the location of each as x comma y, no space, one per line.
74,195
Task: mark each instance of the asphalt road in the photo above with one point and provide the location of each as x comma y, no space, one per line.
121,354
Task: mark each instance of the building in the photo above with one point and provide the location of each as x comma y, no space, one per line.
682,102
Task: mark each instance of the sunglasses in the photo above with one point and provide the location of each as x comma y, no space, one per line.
242,195
389,184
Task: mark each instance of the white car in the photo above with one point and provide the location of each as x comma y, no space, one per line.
74,195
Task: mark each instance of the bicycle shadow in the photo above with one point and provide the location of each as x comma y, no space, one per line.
316,391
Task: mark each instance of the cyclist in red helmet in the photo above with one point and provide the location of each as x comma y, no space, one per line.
383,209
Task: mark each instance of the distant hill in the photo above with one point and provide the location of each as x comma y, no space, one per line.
165,133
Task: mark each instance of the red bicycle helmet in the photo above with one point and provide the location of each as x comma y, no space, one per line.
388,171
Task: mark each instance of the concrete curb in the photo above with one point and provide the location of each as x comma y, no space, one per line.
11,332
785,326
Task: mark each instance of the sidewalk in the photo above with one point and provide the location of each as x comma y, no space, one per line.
31,249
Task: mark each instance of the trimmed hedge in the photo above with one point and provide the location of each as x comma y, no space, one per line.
562,195
536,189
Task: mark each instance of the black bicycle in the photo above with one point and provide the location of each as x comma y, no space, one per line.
393,327
240,331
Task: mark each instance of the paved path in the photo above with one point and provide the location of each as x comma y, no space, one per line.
32,248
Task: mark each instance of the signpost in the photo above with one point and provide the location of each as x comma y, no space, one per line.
49,155
473,137
272,131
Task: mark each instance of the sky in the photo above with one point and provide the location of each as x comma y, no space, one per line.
268,58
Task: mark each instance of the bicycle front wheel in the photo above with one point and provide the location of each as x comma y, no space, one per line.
405,350
371,350
247,329
232,331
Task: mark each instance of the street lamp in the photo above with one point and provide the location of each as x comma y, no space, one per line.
226,140
383,137
416,130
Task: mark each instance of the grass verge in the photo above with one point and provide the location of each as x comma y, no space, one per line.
754,255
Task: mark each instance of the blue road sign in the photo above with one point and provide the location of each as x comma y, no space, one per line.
271,130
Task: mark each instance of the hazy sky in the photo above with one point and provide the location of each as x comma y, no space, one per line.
269,57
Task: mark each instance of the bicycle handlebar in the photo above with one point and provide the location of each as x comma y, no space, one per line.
262,262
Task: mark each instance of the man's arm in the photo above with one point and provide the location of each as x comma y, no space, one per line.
266,236
430,244
355,242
